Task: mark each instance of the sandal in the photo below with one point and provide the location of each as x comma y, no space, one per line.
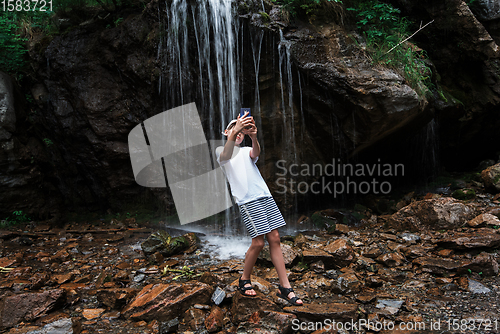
243,288
284,292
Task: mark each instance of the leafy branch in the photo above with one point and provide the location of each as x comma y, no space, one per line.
185,272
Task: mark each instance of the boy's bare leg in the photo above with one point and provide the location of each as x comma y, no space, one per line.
273,238
250,259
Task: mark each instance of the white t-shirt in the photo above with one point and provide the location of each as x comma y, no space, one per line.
243,175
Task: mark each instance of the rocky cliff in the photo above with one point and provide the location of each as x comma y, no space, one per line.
316,94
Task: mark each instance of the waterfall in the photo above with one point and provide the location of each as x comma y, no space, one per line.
286,81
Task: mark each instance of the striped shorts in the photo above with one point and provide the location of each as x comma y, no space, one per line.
261,216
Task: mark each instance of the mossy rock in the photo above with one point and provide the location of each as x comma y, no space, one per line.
320,221
464,194
160,241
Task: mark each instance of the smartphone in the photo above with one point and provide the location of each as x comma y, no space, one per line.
244,110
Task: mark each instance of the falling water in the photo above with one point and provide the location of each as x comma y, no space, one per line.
286,84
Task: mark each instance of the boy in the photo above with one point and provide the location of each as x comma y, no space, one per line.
257,206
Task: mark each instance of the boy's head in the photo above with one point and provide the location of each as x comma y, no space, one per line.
229,128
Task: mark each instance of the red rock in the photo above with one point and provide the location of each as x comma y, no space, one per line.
268,322
63,278
164,302
116,298
342,252
440,266
29,306
391,259
214,320
195,319
123,265
243,307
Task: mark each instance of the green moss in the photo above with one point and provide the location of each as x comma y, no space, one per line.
464,194
265,17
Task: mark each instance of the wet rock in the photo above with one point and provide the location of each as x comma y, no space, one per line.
60,256
243,307
410,237
290,255
476,287
491,178
160,241
165,302
318,267
318,312
267,322
432,214
391,306
214,320
483,220
38,280
484,263
391,259
61,326
314,281
440,266
29,306
218,296
373,251
418,251
347,283
169,326
481,238
341,251
195,319
115,298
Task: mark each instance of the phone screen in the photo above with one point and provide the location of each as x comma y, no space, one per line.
244,110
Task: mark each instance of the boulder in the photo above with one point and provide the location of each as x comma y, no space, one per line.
29,306
161,242
432,214
491,178
165,302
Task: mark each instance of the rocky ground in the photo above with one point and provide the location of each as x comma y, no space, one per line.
431,267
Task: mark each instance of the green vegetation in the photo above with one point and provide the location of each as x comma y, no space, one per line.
464,194
305,7
16,217
47,142
185,272
385,30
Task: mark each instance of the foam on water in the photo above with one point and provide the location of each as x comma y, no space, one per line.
225,248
